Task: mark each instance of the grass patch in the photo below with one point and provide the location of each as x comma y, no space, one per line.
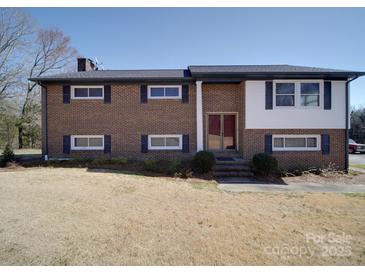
205,185
358,166
86,218
27,154
356,195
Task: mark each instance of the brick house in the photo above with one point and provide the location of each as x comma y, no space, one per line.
298,114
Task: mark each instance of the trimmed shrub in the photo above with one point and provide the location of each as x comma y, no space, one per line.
99,161
204,161
8,154
175,166
150,165
264,164
119,160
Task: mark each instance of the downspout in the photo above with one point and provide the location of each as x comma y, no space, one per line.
45,118
347,123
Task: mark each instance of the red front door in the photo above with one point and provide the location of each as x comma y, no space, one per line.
222,132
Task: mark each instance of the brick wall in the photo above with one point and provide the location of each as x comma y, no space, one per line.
253,142
125,119
223,98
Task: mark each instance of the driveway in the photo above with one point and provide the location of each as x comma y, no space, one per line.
294,187
357,159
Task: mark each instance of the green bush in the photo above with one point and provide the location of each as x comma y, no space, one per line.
264,164
150,165
99,161
8,154
175,166
119,160
203,161
105,161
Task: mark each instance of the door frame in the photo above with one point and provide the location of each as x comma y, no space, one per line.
207,128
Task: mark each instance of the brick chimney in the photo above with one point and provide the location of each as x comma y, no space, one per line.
85,64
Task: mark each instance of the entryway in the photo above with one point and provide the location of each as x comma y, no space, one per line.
222,132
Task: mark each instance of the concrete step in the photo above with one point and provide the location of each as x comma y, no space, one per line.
232,168
233,174
235,162
238,180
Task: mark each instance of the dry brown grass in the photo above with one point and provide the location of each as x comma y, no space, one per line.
55,216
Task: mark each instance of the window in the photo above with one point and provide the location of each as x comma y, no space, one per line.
296,142
298,93
164,92
87,142
309,94
285,94
87,92
164,142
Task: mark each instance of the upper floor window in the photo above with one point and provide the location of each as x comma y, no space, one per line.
87,142
298,93
164,92
309,94
87,92
285,94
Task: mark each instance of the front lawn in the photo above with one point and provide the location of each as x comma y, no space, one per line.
358,166
75,216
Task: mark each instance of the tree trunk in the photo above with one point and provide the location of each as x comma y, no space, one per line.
20,137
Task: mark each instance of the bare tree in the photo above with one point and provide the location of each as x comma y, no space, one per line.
15,27
52,53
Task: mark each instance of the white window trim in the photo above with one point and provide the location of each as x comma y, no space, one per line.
317,148
73,147
179,147
164,97
88,97
297,94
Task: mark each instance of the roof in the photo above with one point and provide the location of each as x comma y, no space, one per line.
195,72
259,69
117,75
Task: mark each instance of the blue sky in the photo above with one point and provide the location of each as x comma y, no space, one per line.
126,38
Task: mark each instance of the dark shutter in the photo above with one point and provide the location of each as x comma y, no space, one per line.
268,95
185,94
107,144
107,94
66,94
327,94
185,143
143,94
268,144
325,144
66,144
144,143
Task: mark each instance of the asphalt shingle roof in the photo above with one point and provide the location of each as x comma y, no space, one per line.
195,71
260,69
118,74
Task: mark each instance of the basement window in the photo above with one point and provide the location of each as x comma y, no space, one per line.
296,142
87,142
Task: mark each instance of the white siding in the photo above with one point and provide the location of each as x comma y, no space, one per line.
257,117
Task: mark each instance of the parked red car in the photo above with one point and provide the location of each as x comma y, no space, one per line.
355,147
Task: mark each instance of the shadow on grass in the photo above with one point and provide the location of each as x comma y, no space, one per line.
142,172
117,171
